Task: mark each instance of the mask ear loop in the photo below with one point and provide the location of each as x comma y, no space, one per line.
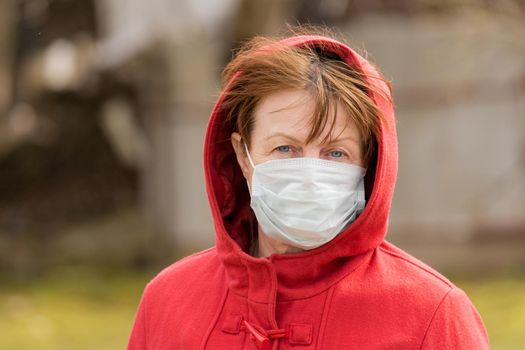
248,154
253,247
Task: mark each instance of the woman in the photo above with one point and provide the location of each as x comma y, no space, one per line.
300,161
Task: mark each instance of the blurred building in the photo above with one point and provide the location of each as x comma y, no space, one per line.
105,102
459,89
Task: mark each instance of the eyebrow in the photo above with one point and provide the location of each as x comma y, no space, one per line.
281,134
342,139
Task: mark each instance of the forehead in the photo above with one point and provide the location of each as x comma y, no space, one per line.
291,111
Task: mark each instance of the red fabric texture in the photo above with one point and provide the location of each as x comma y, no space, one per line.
357,291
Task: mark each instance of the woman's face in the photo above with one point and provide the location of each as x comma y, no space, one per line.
282,126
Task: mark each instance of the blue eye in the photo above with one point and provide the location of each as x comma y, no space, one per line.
284,149
336,154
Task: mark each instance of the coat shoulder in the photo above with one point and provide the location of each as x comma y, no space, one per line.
187,271
418,306
412,270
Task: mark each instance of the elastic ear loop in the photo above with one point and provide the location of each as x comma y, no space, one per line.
248,154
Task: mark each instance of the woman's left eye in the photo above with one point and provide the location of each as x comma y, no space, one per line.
336,154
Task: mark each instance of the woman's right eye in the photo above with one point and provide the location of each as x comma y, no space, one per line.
283,148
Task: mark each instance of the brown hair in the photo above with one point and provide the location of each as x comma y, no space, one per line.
264,66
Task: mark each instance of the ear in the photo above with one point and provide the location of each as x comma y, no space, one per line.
240,153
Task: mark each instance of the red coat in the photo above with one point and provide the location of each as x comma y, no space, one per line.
356,292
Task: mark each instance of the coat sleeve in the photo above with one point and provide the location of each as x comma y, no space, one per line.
137,338
456,324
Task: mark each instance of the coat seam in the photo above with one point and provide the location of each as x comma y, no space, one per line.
215,319
195,255
433,317
448,283
180,263
324,319
248,308
272,302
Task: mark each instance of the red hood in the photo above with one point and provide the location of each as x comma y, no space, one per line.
298,274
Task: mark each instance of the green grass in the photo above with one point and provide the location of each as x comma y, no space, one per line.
70,311
80,309
501,303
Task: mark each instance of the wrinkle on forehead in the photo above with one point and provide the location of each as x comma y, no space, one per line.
301,102
304,99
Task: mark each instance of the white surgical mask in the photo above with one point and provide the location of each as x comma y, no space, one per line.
306,202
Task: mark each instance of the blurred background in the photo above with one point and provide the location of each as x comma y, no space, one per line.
103,109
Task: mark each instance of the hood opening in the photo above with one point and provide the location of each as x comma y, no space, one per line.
227,188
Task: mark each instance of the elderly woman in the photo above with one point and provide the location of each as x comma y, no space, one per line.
300,161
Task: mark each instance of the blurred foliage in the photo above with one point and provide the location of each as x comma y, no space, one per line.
85,309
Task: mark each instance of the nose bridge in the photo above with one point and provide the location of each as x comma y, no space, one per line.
311,150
